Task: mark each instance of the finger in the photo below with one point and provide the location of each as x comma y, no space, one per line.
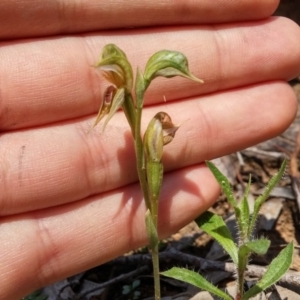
62,163
47,81
67,16
53,244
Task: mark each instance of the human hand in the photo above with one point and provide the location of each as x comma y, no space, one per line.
70,200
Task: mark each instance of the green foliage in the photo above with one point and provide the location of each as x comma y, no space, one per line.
224,183
196,280
167,64
161,131
37,295
130,290
278,267
261,199
151,230
215,227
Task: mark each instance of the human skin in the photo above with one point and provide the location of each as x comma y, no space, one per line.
70,200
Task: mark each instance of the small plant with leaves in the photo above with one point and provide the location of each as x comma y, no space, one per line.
160,131
37,295
247,243
131,290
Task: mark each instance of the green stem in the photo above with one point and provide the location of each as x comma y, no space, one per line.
151,205
155,256
242,266
130,112
140,157
240,289
155,263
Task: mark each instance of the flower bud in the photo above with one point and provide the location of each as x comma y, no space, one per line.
160,132
153,140
117,69
168,128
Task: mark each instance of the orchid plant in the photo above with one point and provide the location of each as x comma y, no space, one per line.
121,92
118,72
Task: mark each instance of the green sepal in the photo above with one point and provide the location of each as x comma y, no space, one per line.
195,279
151,230
118,70
110,50
168,64
215,226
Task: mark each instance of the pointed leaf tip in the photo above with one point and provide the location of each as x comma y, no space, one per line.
277,268
195,279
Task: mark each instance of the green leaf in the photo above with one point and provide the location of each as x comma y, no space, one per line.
224,183
244,217
136,283
136,295
126,289
259,247
168,64
151,230
117,69
278,267
216,227
261,199
154,177
37,295
139,88
195,279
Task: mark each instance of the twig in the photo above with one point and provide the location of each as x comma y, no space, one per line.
204,264
294,173
114,281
